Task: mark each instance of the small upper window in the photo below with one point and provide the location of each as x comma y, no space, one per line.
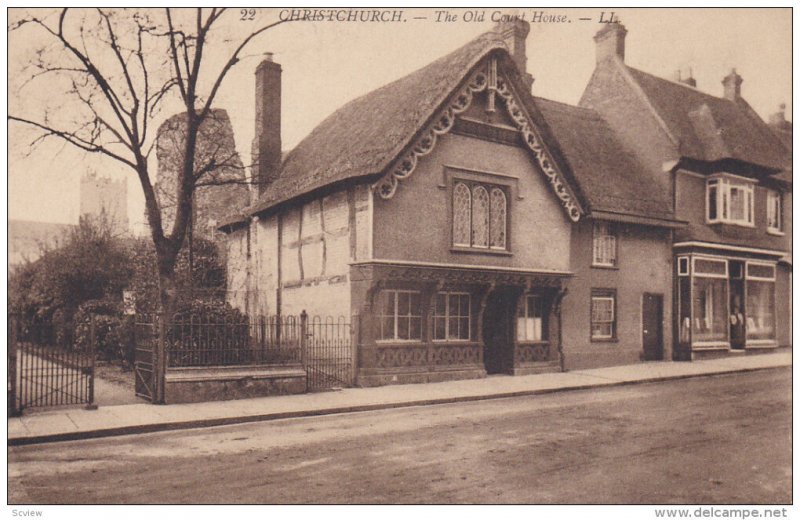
604,245
729,200
480,215
774,212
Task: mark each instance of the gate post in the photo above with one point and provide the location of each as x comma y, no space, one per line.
13,407
160,364
355,344
91,405
304,339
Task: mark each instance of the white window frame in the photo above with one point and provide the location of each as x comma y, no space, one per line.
701,274
600,296
683,266
724,183
447,316
772,278
381,316
774,222
610,233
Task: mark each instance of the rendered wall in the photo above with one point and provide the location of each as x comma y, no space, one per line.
416,224
644,266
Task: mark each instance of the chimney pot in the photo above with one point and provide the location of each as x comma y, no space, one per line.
610,42
688,80
732,84
778,119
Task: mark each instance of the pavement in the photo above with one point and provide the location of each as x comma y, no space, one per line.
78,423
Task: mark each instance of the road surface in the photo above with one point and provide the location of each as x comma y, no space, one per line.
724,439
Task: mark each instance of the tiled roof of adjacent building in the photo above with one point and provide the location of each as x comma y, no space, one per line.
609,176
710,128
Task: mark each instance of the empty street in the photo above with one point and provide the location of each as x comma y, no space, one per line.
724,439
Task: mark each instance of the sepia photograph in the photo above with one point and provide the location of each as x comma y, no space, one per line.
385,256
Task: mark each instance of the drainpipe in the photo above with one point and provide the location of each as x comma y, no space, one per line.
559,298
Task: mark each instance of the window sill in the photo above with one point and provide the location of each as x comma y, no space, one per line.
602,266
403,342
730,223
775,232
481,251
604,340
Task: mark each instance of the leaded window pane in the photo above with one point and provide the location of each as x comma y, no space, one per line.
462,205
498,215
480,217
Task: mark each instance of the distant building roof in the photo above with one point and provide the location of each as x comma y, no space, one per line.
709,128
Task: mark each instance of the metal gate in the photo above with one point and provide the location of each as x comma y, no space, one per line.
145,356
327,352
46,374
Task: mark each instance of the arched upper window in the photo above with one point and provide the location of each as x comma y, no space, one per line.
462,211
480,216
497,230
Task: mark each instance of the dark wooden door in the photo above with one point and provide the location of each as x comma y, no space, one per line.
736,305
497,340
652,326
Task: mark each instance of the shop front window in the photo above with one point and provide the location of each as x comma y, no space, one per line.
760,301
710,309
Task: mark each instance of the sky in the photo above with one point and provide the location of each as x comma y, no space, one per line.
326,64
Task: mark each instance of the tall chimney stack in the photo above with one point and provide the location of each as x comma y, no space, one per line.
733,86
610,42
267,141
514,34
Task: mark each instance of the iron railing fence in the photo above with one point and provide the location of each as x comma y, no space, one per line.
323,345
202,341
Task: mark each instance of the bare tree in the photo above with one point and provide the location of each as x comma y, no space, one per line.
117,69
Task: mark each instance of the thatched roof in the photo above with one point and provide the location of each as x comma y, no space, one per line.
364,136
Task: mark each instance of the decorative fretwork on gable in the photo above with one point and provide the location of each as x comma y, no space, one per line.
496,85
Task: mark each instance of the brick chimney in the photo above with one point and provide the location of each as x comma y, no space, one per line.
733,86
514,34
267,141
610,42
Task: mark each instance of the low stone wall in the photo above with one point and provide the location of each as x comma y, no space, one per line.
196,385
